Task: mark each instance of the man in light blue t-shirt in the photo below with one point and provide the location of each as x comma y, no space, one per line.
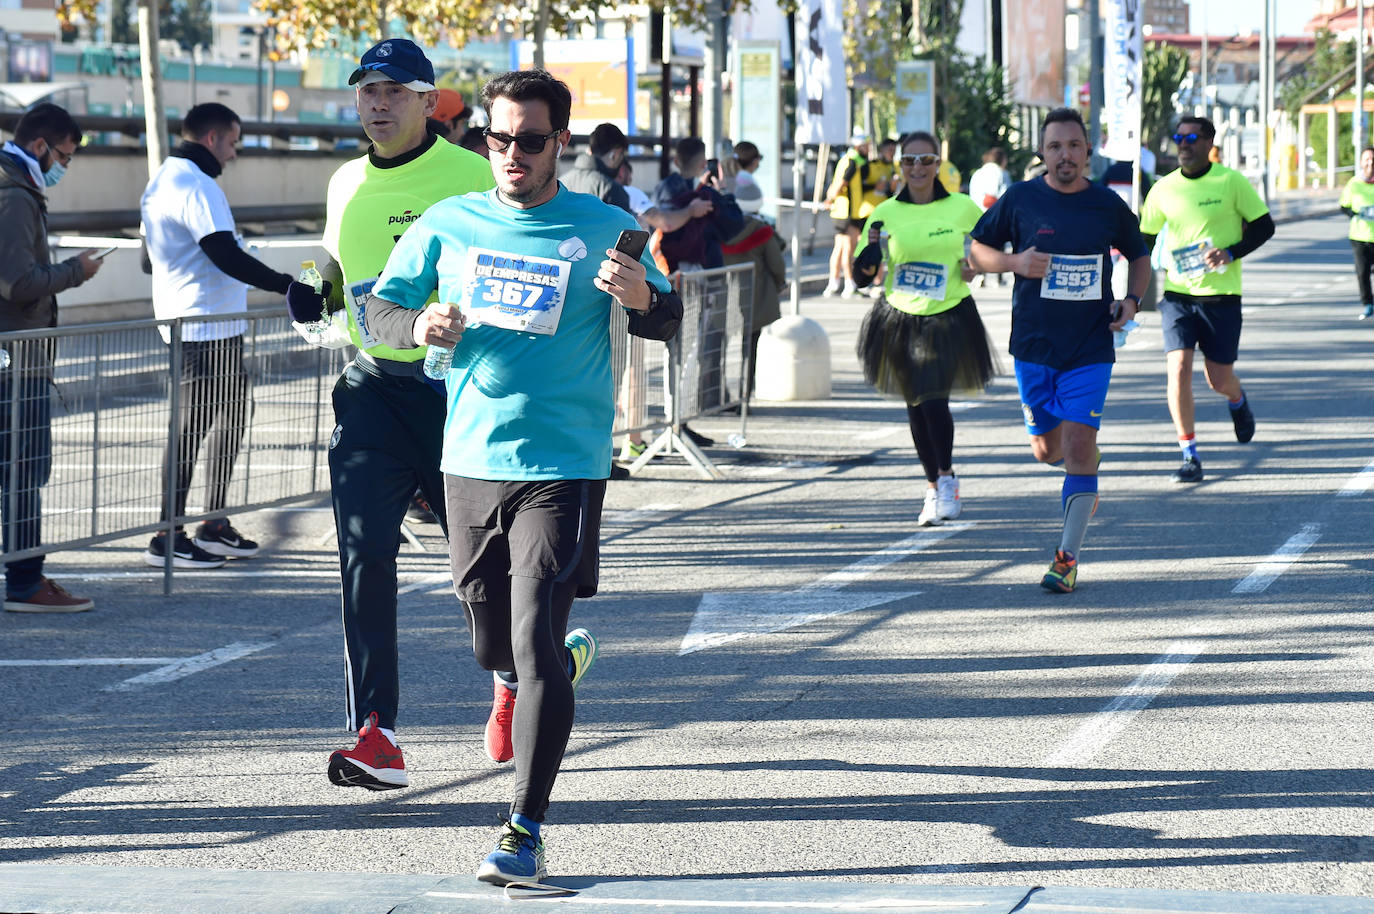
526,276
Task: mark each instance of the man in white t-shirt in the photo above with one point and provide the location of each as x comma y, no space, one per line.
200,269
986,186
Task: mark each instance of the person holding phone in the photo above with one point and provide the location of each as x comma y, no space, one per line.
923,338
45,142
525,277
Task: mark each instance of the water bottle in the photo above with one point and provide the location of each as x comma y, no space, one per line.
737,441
4,359
311,277
437,362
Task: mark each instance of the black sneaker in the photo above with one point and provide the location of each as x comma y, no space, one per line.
1244,421
1191,471
697,437
220,538
419,511
185,554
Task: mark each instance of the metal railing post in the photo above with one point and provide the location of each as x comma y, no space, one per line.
175,355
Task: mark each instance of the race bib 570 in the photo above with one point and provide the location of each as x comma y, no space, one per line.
1073,278
926,279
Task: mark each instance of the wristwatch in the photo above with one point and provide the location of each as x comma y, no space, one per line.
1133,297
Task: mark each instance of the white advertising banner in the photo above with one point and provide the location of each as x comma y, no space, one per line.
822,90
756,112
1122,77
915,96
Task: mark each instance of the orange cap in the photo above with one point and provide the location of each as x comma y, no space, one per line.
450,105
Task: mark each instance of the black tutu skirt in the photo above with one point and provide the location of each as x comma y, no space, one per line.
925,357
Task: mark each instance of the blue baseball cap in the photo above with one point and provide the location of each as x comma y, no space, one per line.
397,59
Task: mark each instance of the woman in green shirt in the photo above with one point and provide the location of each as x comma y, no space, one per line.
1357,201
923,338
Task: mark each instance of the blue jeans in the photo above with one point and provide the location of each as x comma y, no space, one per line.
25,463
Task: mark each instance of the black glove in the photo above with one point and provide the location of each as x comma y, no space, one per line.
304,303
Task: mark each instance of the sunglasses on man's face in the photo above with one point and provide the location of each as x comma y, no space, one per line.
529,143
924,158
1181,138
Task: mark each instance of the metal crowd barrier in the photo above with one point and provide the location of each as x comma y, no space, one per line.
116,421
93,431
704,368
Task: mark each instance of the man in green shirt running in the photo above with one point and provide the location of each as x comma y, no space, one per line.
1214,218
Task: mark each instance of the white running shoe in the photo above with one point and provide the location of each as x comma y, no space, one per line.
832,287
850,290
930,511
947,498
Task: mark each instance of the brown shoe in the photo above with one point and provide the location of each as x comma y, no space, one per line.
50,597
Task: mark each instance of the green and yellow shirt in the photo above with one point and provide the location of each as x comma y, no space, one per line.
1207,211
924,246
370,207
1358,195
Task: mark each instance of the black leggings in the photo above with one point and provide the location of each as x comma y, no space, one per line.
213,409
932,431
522,629
1364,261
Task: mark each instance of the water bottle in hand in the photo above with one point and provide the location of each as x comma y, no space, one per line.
311,277
437,362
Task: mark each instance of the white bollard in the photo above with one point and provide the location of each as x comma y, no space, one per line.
793,361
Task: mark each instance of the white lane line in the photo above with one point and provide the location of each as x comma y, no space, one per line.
429,580
222,572
884,557
1359,483
180,669
732,904
635,515
95,661
1268,571
1103,727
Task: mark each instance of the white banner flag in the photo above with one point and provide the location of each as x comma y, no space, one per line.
1122,78
822,91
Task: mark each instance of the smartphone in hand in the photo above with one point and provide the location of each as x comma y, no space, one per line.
631,243
100,254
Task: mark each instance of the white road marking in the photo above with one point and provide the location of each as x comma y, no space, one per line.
445,578
635,515
95,661
1268,571
1103,727
226,571
1359,483
888,904
725,617
180,669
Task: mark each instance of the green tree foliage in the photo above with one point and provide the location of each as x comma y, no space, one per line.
1330,59
977,114
1164,68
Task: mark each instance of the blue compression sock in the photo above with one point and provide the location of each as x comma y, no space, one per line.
1074,484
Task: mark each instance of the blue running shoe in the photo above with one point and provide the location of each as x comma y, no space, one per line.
518,857
582,646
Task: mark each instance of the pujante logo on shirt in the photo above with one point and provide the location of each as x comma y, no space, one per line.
405,218
1215,201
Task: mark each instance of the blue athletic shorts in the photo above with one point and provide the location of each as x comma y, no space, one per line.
1050,396
1211,323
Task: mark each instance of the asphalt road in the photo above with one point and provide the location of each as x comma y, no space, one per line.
796,684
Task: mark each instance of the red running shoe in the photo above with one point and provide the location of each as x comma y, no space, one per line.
375,763
499,746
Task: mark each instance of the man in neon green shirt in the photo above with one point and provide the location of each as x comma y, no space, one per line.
389,419
1357,202
1214,218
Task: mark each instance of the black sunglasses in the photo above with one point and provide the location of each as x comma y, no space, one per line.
1181,138
529,143
924,158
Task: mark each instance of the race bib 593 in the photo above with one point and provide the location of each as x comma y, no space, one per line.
1073,278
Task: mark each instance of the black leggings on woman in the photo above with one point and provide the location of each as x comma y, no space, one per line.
522,629
932,431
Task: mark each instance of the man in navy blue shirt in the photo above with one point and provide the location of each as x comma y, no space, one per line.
1062,229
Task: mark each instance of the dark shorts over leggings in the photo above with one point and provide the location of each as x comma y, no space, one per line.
1211,323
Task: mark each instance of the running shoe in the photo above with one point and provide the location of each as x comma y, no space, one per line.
375,763
850,290
1367,313
832,287
499,745
517,857
185,554
218,537
930,511
419,511
582,646
1243,420
1063,573
1191,471
947,497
